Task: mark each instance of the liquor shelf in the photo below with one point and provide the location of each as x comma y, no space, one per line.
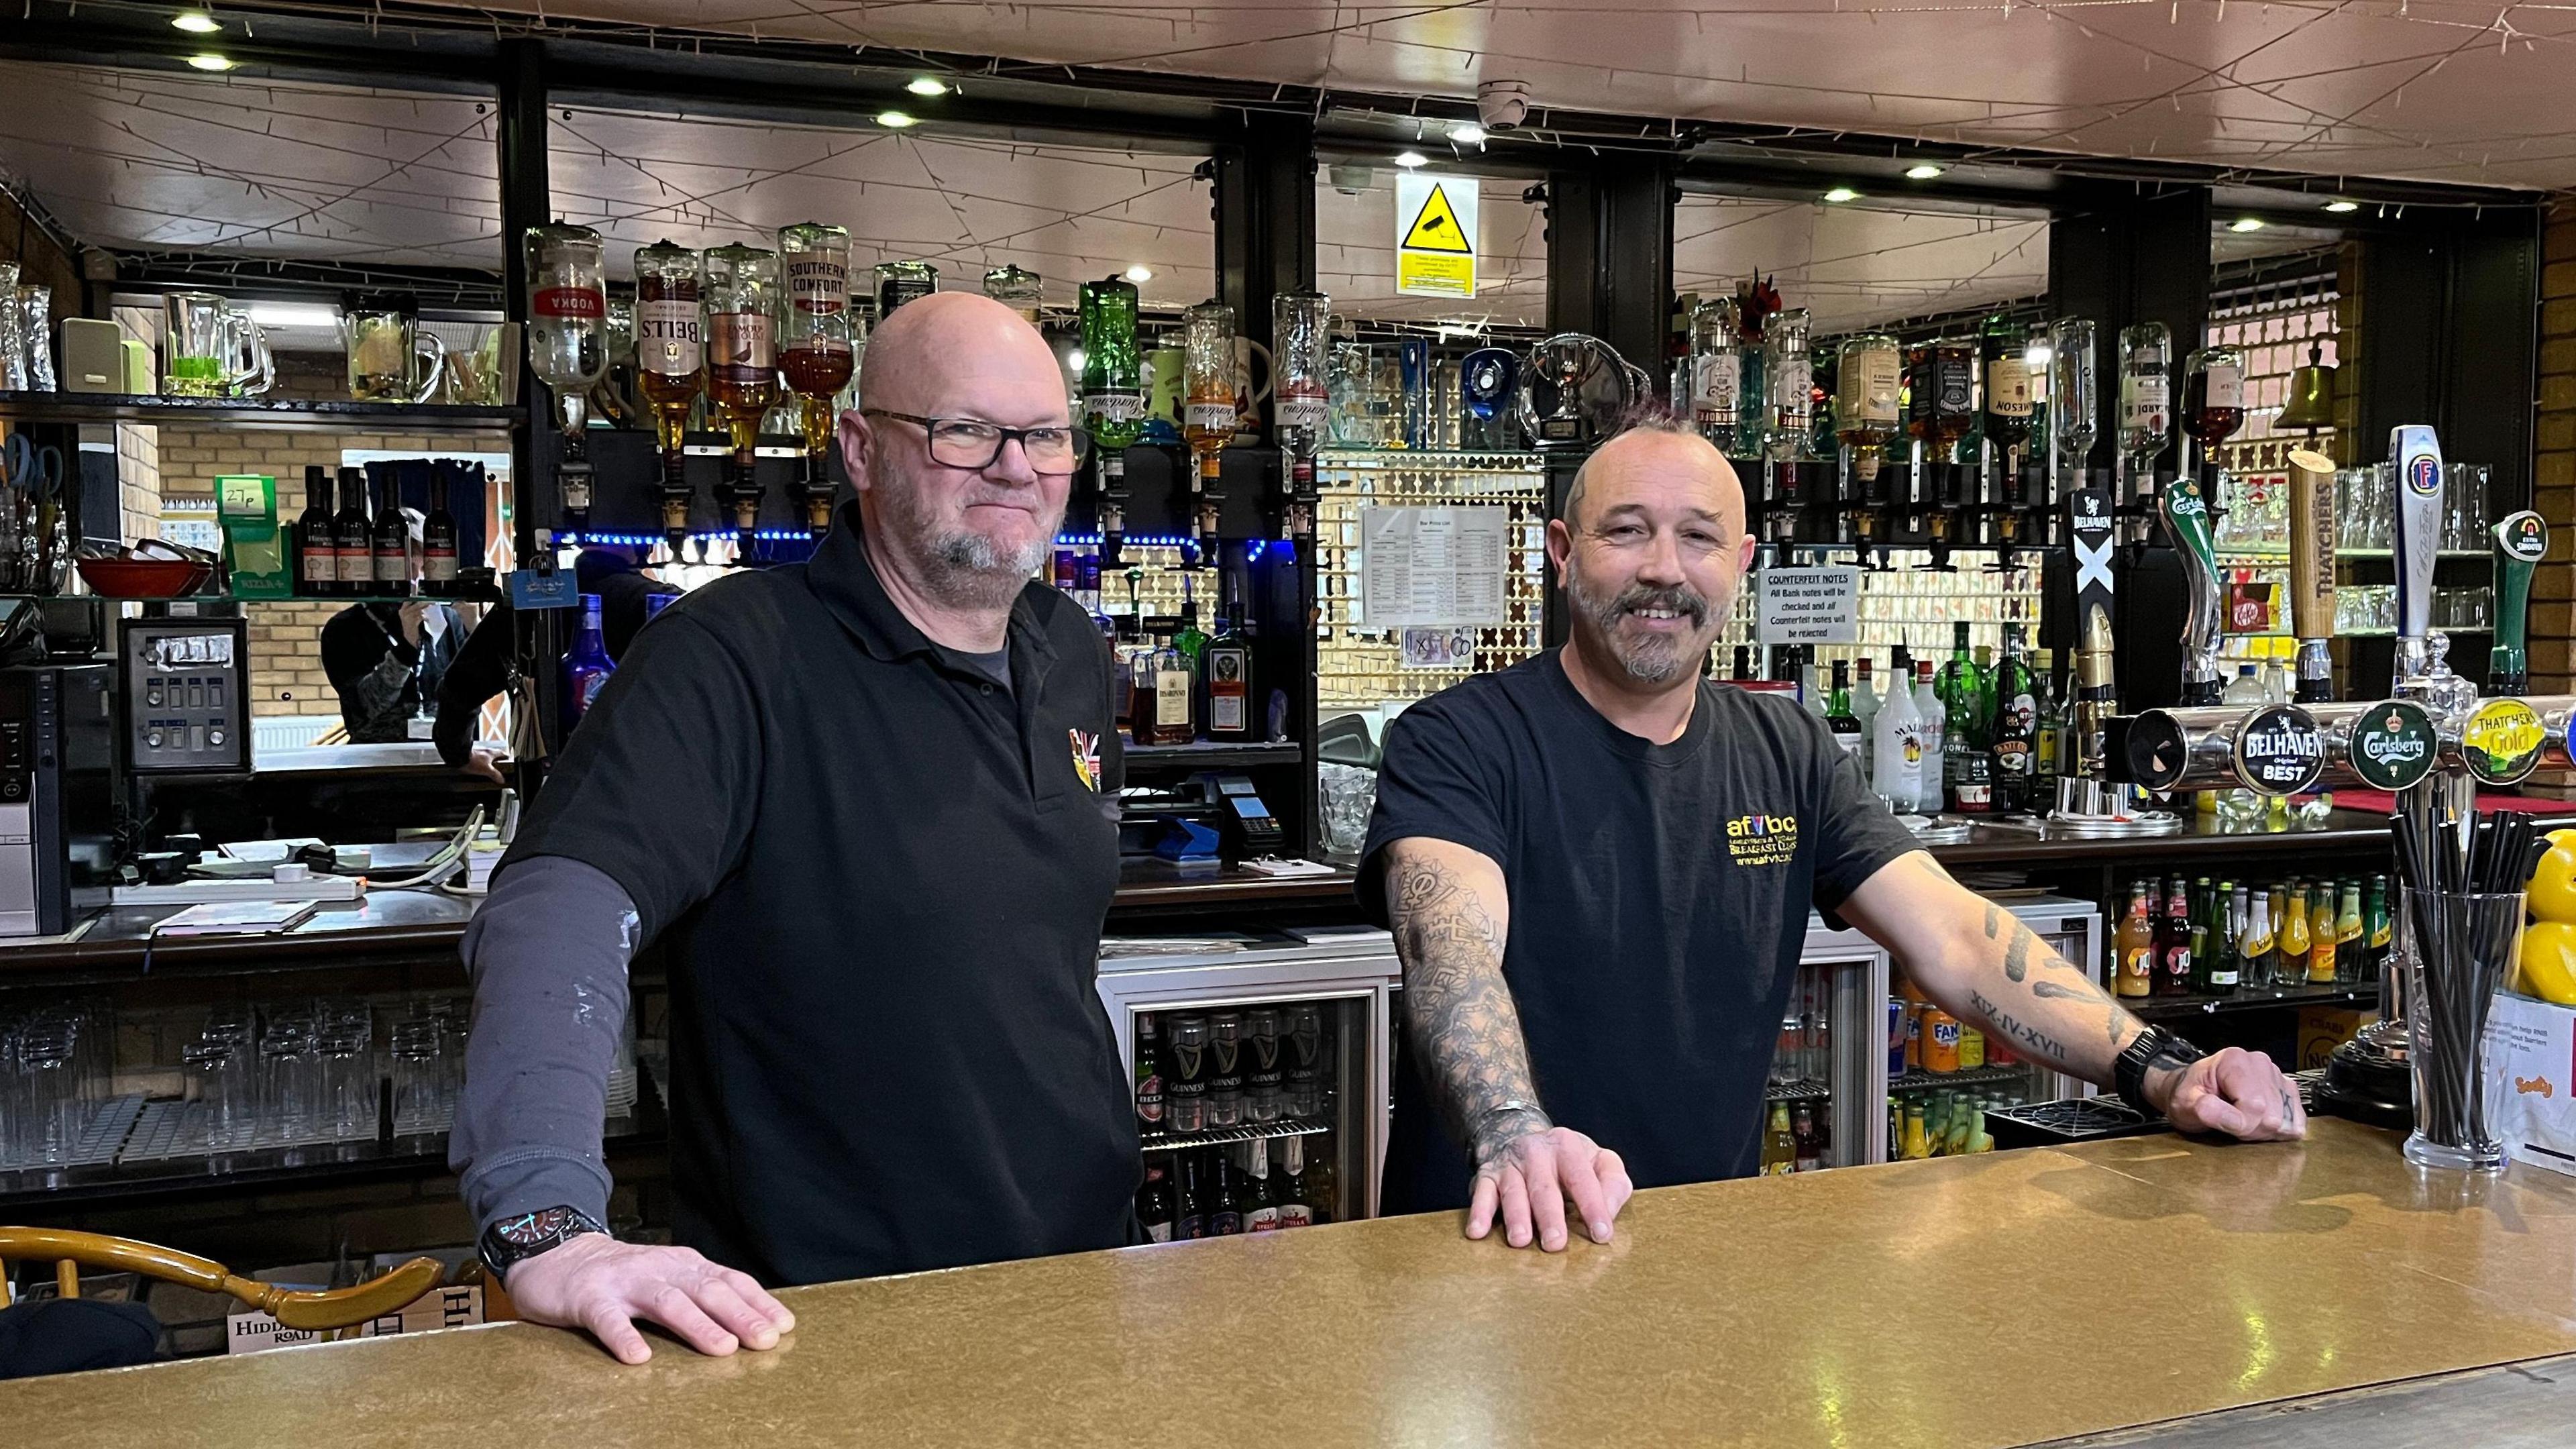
1221,1136
2326,993
2018,1073
1213,755
90,407
1741,1311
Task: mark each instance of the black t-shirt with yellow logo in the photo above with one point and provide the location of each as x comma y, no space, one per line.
1659,899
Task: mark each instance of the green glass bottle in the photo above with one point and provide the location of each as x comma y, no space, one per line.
1966,767
2214,967
1113,396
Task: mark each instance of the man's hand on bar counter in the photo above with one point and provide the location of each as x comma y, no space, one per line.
2238,1092
603,1285
1529,1172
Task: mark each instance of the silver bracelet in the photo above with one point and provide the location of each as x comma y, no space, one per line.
1501,1109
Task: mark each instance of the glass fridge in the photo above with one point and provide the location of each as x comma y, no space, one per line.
1865,1070
1258,1055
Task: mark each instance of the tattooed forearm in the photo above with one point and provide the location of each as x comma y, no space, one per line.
1456,1004
2019,1032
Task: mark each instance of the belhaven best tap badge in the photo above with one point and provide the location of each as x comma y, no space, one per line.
1086,758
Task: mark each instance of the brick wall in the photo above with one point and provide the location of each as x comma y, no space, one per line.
286,656
2553,588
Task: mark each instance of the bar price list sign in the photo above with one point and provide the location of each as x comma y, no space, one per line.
1819,604
1431,566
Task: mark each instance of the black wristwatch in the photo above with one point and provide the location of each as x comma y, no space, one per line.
2151,1050
514,1240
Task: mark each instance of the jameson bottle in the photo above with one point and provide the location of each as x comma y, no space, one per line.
2015,730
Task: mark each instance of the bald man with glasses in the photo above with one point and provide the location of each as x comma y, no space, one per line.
864,810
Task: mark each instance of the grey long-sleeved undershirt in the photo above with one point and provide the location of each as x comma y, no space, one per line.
547,954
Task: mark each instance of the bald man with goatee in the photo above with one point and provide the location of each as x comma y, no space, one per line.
863,809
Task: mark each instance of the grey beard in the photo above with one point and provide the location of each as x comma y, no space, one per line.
1656,660
966,569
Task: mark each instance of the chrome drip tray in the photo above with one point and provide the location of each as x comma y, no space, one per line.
2144,823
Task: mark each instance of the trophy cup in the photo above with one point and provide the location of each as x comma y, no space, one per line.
1573,390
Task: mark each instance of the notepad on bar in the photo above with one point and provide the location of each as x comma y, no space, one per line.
237,918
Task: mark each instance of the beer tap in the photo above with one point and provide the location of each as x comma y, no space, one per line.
2312,571
2520,542
2090,523
2186,517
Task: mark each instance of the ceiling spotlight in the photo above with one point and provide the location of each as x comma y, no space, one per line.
1140,274
195,22
2246,223
1467,133
1410,159
210,62
894,120
923,85
1924,172
2340,207
1842,193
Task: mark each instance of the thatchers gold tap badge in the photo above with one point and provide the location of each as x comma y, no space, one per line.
1759,839
1086,758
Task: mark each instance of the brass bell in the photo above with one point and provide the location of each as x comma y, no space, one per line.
2310,400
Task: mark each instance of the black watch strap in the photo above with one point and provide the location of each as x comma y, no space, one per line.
515,1239
2151,1050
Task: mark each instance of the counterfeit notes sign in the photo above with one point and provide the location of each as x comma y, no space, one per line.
1817,605
1435,235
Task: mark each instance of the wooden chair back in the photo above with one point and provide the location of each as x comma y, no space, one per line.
293,1308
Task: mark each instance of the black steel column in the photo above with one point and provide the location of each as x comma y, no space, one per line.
1265,245
1265,218
526,202
2121,256
1610,255
1610,274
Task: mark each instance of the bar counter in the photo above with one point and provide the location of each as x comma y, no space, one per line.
2003,1299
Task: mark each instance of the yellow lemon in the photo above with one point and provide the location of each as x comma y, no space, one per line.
2549,961
2553,885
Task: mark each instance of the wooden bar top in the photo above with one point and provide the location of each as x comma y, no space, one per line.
2001,1299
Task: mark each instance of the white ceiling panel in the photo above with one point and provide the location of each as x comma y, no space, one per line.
2449,90
1858,265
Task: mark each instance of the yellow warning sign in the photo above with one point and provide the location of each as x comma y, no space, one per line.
1435,226
1435,235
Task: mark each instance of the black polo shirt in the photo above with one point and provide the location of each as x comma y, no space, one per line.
878,877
